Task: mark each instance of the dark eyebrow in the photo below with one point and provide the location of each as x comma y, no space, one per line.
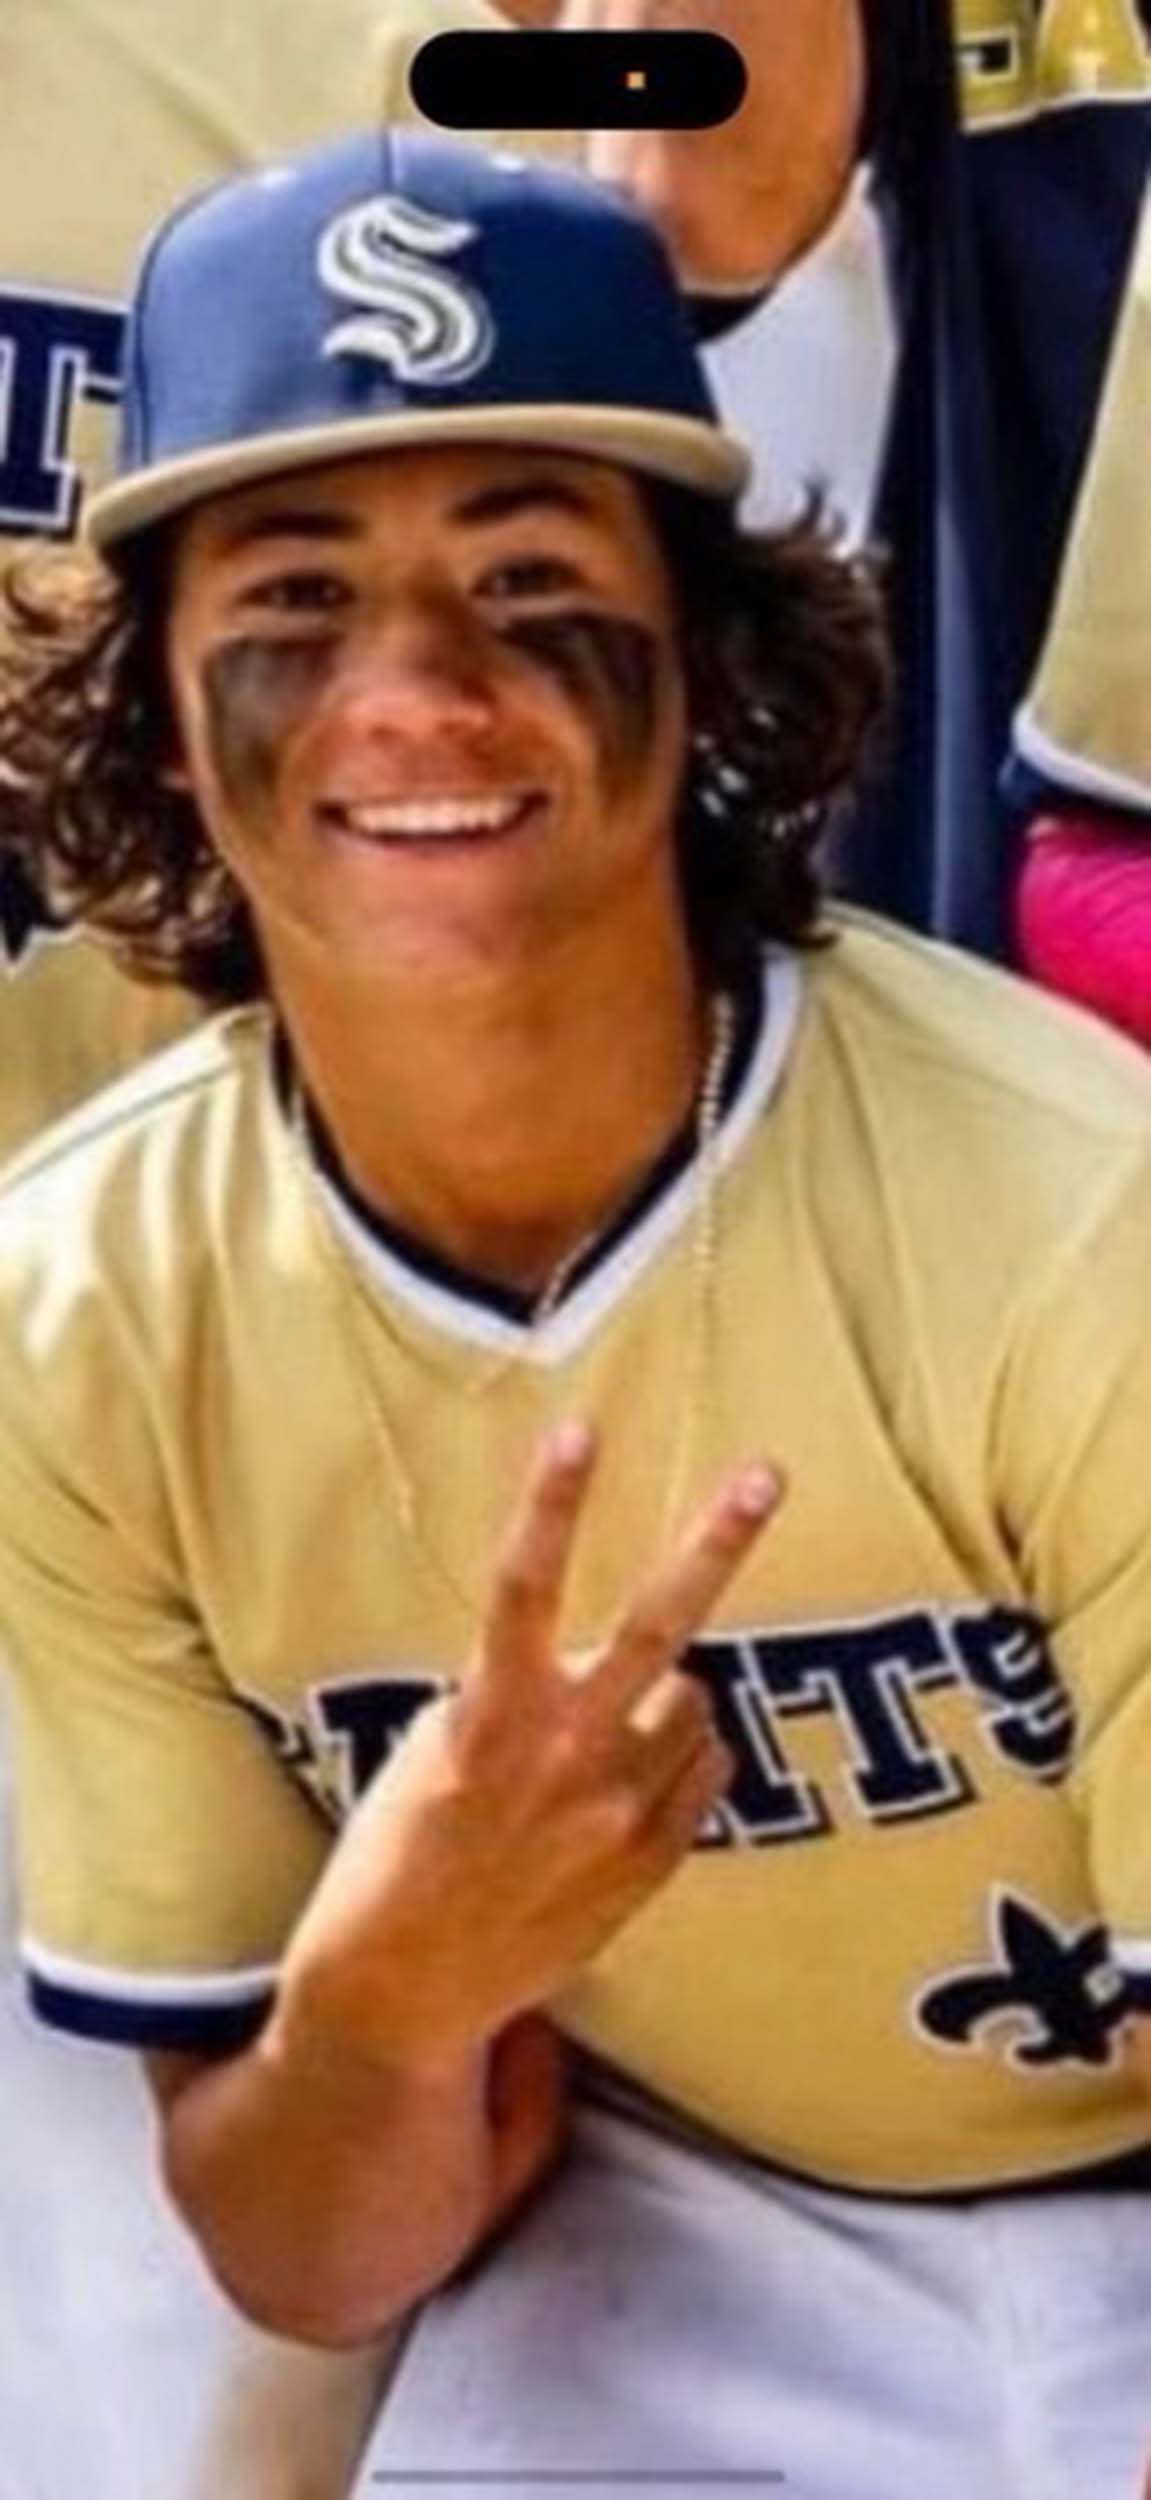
505,503
289,521
500,502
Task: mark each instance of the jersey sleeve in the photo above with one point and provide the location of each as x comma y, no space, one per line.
164,1852
1073,1465
1084,731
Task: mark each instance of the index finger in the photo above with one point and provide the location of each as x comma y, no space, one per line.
531,1566
676,1602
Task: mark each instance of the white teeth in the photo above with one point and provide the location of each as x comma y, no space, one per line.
429,819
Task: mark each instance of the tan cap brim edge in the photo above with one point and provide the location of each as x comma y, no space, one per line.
683,450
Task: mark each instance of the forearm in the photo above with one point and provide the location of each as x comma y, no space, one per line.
328,2191
406,2091
739,204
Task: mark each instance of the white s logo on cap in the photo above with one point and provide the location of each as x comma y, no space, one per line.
425,323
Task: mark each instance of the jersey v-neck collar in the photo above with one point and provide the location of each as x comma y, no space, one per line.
482,1312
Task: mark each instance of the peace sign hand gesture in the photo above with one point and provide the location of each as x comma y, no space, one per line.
528,1814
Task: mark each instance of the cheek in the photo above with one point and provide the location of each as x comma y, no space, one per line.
255,696
612,671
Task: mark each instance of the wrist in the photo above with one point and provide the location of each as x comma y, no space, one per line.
325,2029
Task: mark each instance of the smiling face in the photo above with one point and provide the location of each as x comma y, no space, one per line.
431,701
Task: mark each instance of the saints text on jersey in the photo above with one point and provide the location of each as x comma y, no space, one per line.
872,1680
1044,1993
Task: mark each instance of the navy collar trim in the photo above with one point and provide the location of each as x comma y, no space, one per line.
508,1302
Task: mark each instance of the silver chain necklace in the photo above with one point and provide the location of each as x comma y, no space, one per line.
357,1310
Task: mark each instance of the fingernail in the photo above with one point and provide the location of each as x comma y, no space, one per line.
756,1492
572,1444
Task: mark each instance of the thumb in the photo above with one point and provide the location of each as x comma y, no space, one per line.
528,2096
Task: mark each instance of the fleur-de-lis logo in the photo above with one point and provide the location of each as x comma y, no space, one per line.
1054,1990
426,323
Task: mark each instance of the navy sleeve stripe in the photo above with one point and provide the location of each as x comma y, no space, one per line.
1138,1989
147,2025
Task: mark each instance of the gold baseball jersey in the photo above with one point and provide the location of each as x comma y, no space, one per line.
255,1453
71,1021
1087,720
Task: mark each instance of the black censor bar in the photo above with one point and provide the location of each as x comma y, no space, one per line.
526,81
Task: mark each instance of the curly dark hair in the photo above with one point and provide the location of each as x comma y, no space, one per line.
787,673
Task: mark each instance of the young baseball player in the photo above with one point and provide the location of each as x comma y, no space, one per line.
574,1464
138,104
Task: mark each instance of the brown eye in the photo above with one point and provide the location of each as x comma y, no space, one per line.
529,577
301,594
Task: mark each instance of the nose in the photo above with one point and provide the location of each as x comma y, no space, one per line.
419,670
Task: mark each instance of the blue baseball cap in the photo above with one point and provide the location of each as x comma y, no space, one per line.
398,289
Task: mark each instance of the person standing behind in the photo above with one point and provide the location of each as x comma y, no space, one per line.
1009,142
1011,145
1083,899
113,109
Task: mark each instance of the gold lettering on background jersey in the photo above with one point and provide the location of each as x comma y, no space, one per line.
996,45
1018,58
1092,48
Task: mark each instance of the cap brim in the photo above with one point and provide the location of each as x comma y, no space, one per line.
681,449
